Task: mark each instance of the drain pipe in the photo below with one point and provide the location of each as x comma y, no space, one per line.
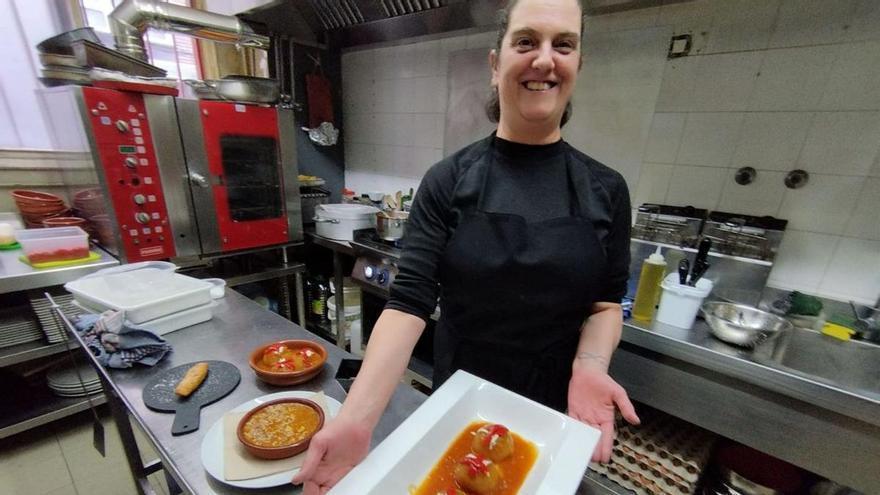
131,18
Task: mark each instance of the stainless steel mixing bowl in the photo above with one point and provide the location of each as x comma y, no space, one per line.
742,325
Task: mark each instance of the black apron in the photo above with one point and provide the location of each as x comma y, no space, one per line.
514,296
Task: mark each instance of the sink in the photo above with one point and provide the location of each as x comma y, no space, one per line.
850,365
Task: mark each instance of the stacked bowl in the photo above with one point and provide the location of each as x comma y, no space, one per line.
36,206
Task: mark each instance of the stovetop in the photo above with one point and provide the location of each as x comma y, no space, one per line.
368,242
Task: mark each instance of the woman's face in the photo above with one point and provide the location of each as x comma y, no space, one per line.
536,70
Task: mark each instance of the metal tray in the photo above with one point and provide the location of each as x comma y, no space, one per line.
90,54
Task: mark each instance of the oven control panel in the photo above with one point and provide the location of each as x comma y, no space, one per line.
375,272
122,137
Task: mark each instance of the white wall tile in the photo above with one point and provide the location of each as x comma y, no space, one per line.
864,223
619,21
801,260
358,65
653,183
427,130
725,81
811,22
401,161
358,128
794,78
695,186
452,44
428,59
395,129
842,143
360,156
854,271
854,83
385,155
761,197
664,137
709,139
824,205
677,87
771,140
875,170
370,181
694,18
423,159
742,25
864,22
481,40
429,94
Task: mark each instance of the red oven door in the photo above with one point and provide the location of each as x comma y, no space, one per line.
242,149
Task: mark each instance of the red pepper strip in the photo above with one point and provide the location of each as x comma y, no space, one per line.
499,430
475,465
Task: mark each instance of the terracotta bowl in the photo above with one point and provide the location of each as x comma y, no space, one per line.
64,222
284,378
26,197
287,450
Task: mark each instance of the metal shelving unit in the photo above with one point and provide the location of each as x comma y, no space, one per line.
31,350
44,412
41,408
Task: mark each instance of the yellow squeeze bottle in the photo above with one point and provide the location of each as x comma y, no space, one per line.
648,291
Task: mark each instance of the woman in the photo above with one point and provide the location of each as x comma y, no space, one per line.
526,242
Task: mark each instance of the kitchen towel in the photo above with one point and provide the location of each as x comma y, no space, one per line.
117,345
238,464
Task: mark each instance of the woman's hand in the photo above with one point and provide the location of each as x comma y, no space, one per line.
333,452
592,397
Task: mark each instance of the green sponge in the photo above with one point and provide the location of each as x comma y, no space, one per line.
803,304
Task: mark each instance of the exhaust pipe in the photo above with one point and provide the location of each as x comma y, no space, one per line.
131,18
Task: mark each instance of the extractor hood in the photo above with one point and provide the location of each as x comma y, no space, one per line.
357,22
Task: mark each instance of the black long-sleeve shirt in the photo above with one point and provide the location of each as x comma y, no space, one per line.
526,180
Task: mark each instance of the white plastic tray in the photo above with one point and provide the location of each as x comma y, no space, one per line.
144,294
405,457
172,322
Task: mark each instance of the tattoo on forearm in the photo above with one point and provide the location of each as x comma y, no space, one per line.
592,357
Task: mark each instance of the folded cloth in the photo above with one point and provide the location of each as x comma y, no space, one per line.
117,345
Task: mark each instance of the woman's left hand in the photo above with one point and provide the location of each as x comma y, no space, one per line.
592,397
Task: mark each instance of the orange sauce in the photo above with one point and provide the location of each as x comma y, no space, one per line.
514,469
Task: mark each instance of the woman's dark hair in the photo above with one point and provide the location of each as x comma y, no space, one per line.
493,105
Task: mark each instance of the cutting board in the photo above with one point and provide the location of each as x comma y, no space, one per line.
159,394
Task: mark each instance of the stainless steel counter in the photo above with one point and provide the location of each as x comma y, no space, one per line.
238,326
821,421
16,275
697,346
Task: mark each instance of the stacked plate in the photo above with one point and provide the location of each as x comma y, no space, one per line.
17,326
69,381
36,206
51,326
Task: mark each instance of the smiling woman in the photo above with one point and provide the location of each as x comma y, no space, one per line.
529,290
570,42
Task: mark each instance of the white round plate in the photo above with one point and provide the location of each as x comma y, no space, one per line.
212,444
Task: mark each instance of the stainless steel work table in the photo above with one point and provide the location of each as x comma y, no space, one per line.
821,425
237,327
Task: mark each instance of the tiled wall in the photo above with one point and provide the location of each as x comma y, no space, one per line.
40,170
394,107
772,84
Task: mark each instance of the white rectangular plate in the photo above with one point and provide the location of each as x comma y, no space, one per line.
405,457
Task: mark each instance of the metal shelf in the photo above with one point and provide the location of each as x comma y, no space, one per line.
50,408
31,350
16,276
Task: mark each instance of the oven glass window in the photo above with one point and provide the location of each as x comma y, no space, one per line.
252,178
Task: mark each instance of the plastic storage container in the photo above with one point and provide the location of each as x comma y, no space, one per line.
144,294
53,244
679,304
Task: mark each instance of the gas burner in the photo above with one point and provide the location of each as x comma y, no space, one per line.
369,242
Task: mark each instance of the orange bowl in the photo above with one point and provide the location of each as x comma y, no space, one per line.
285,450
25,197
285,378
